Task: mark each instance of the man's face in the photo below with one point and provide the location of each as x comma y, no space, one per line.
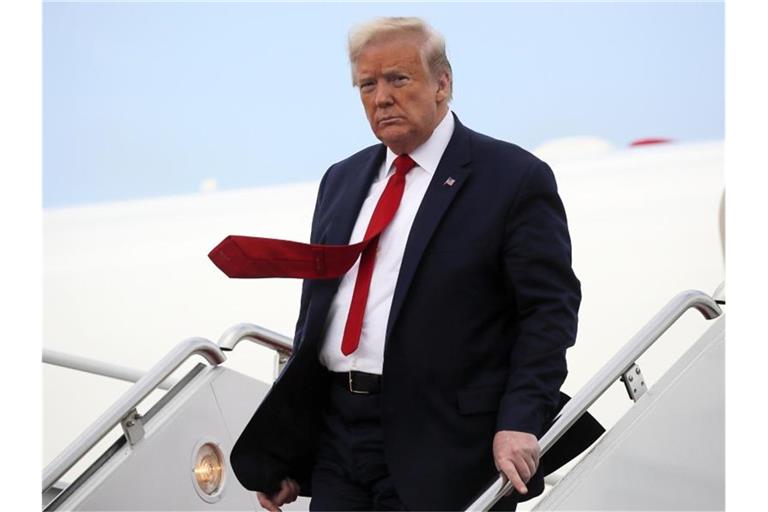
402,100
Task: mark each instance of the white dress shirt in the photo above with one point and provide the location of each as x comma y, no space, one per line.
369,356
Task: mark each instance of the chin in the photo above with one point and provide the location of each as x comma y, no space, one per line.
394,139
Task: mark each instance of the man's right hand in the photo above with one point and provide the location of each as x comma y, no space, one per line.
288,492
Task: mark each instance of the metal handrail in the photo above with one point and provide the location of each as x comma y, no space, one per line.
283,345
96,367
607,375
128,402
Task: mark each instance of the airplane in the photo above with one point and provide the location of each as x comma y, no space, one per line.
127,283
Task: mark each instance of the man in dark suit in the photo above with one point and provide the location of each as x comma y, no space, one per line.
472,302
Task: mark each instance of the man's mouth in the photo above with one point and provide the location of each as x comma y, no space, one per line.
384,121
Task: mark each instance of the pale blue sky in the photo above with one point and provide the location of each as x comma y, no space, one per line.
149,99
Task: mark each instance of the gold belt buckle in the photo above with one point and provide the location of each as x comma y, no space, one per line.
354,390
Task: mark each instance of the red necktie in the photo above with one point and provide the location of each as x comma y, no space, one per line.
253,257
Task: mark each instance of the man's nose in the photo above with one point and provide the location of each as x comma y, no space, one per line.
383,96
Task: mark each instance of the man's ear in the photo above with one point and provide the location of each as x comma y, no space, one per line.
443,87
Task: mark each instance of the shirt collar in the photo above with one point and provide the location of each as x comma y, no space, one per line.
428,155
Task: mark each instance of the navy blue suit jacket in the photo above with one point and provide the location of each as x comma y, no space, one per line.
484,308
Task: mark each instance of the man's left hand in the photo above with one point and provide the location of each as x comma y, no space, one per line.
516,454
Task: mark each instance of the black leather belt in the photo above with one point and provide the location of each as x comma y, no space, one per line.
358,382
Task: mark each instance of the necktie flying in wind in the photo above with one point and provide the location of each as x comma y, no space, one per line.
255,257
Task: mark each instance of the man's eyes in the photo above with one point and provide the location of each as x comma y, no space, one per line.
397,80
400,80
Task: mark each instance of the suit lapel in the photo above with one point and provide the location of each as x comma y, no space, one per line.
356,185
345,207
450,176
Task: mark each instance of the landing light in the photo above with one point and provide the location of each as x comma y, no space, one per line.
209,471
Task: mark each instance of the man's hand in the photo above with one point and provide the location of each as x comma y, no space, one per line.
516,454
289,489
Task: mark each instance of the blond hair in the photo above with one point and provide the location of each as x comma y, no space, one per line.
432,43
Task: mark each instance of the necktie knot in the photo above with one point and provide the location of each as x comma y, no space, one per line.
403,164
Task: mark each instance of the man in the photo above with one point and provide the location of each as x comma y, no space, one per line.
435,362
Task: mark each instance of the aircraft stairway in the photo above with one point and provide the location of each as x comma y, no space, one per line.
668,451
173,457
661,440
176,455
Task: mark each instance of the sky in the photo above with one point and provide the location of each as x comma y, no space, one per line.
153,99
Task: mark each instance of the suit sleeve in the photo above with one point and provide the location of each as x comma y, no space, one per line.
537,269
260,466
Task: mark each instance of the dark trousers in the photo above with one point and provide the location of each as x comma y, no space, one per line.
351,473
